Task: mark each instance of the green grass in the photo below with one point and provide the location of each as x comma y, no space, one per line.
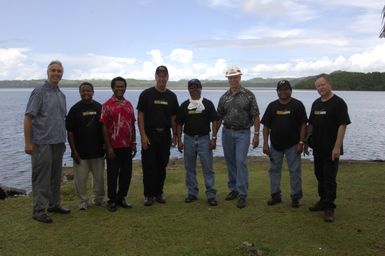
177,228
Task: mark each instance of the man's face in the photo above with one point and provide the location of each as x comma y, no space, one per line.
86,93
323,87
234,81
195,91
54,73
284,93
161,81
119,89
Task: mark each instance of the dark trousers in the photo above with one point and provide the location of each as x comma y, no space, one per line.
119,169
154,162
326,172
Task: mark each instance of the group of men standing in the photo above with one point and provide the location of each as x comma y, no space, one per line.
95,130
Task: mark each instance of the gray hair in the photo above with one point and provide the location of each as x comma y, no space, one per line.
326,77
58,62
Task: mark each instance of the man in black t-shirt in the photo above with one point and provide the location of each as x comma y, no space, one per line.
194,117
285,122
86,141
157,108
327,125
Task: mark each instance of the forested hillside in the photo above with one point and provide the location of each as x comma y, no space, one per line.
342,80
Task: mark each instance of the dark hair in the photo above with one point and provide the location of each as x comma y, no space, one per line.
119,78
86,84
194,82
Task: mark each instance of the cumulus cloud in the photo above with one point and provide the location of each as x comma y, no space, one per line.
15,64
367,61
181,55
24,64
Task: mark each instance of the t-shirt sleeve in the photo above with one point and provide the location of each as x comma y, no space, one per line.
141,106
266,118
213,115
342,113
34,103
69,120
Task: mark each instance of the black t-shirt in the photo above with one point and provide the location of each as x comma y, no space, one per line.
284,122
83,121
158,108
196,122
326,117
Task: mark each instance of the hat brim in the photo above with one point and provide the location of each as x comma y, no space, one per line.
234,74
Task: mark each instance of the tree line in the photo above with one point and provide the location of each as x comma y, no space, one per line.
342,80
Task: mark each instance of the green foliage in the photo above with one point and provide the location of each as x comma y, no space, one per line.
342,80
177,228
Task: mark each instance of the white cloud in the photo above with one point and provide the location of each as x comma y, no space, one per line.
24,64
368,61
15,64
181,55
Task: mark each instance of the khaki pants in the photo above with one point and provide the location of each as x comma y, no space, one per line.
96,167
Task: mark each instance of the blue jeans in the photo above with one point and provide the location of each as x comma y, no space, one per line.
192,148
294,164
235,148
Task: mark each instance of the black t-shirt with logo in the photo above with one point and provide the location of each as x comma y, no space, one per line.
158,108
284,122
196,122
83,121
326,117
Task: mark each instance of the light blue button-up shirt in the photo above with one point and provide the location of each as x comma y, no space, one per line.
47,106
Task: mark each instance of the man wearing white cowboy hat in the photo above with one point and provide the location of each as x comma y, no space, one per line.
238,111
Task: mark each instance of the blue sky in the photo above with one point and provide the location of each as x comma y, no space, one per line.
194,38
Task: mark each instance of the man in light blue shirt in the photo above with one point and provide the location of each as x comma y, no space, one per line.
45,135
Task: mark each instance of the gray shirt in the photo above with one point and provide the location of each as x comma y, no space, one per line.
238,110
47,106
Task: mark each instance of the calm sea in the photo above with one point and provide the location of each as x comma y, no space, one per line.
364,140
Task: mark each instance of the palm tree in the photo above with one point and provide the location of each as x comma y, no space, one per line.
382,34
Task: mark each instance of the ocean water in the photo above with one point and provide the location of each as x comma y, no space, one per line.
364,139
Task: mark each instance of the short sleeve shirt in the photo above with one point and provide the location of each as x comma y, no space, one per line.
158,108
284,122
83,121
47,106
325,118
194,121
119,119
238,110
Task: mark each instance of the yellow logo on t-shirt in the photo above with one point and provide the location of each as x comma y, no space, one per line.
160,102
283,112
320,112
89,113
194,111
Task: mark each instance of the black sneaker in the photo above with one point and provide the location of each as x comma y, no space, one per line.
111,207
212,201
44,218
241,203
148,201
232,195
124,204
295,203
274,201
190,199
160,198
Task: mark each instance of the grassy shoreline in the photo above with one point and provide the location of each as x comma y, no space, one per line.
177,228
